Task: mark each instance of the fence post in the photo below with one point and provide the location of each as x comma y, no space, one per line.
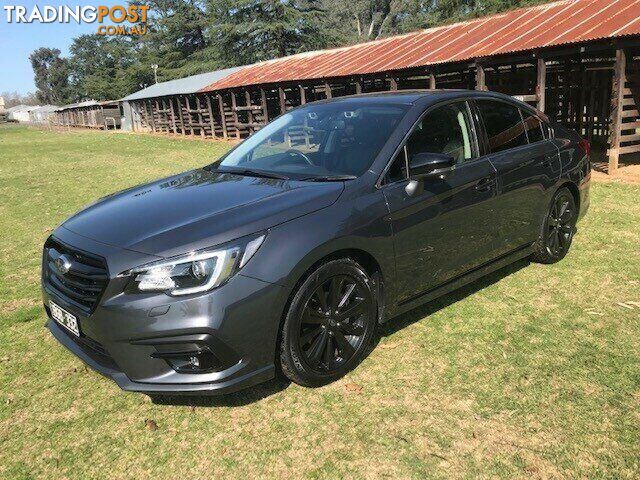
541,88
619,80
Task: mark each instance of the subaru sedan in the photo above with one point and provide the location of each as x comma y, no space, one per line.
285,255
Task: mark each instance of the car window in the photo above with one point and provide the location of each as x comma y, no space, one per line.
533,126
503,125
444,130
336,138
398,170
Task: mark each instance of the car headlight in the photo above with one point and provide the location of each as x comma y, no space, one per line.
195,272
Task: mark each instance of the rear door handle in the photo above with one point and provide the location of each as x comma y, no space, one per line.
484,185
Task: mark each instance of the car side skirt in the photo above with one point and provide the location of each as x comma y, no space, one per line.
464,279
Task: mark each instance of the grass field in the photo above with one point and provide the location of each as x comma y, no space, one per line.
532,373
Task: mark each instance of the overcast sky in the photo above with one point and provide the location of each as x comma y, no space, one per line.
17,41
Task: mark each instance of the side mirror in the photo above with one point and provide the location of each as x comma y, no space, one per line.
424,164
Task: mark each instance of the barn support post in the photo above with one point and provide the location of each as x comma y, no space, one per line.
173,116
303,95
182,129
358,86
541,87
155,112
327,89
393,83
150,115
187,110
211,120
250,117
234,106
617,98
481,77
223,118
582,102
263,104
283,100
200,117
432,81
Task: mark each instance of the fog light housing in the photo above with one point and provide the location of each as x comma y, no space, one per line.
188,358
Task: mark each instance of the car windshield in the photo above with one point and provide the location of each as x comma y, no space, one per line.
335,140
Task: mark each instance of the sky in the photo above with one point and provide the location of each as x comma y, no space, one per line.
17,41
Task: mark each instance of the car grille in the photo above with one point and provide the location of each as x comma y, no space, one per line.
83,284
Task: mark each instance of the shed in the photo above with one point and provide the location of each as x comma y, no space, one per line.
172,107
90,114
20,113
42,114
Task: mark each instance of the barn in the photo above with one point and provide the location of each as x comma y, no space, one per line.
575,60
175,107
20,113
44,114
89,114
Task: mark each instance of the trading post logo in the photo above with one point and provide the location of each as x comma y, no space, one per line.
128,20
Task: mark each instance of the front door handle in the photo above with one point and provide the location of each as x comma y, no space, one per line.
484,185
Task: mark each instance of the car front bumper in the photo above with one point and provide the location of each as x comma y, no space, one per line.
130,337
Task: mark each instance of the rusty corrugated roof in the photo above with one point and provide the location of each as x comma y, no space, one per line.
552,24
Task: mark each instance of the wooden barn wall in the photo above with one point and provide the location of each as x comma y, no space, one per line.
630,130
89,117
581,87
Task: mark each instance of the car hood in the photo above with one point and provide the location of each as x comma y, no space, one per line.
197,209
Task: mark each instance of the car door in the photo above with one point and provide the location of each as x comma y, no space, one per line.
527,164
442,225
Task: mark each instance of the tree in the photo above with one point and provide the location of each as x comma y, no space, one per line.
176,30
11,99
247,31
51,76
100,66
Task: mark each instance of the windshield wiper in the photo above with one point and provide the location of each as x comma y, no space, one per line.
328,178
251,173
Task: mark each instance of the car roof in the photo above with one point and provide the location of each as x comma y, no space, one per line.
411,97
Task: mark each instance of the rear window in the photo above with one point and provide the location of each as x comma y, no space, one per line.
504,126
534,128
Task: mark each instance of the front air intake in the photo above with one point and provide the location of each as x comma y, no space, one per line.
76,276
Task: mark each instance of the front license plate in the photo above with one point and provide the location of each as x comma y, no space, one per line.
64,318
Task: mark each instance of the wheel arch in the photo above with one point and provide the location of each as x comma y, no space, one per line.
364,258
569,185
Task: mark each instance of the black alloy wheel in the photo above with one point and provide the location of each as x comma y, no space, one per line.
330,324
559,228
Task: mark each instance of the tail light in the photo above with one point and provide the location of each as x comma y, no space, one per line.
585,146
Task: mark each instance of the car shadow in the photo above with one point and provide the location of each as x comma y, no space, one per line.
241,398
278,384
419,313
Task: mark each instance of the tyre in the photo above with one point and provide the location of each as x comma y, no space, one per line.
558,229
329,325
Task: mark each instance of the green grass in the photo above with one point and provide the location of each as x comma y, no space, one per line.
532,373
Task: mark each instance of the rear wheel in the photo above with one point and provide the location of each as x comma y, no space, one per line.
559,228
330,324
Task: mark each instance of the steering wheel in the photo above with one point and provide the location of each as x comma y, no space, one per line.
297,153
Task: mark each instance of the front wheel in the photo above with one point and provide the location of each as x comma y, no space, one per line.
329,325
558,229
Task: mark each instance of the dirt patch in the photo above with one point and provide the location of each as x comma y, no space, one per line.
625,174
628,169
10,306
